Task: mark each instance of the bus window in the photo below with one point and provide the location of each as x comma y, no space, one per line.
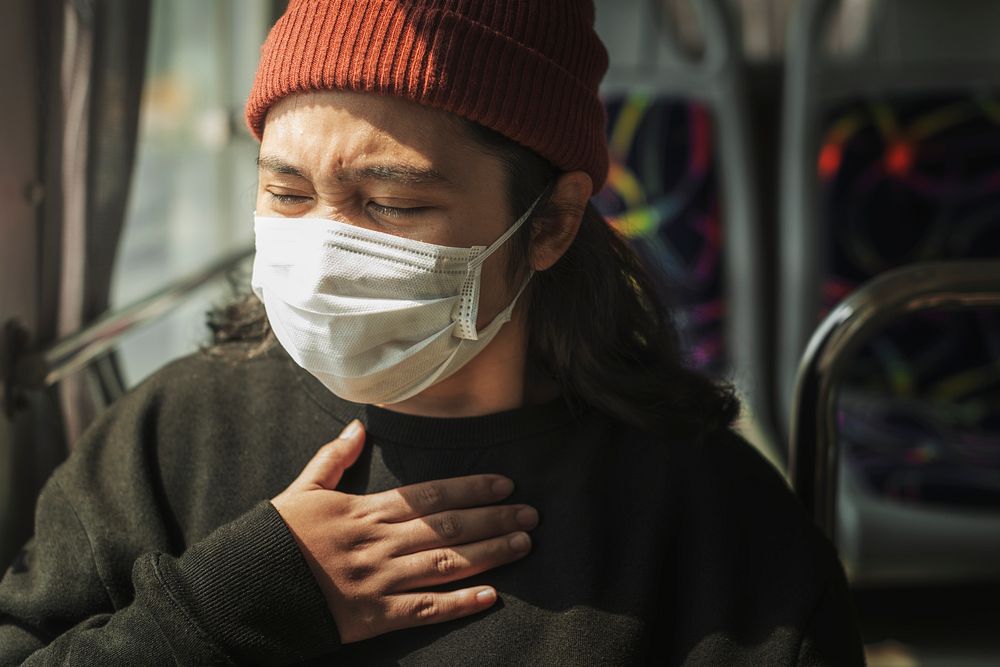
195,178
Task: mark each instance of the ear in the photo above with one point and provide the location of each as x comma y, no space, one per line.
568,201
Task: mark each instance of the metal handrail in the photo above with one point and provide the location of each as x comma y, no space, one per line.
47,367
814,450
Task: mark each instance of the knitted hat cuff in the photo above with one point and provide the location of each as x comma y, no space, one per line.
542,95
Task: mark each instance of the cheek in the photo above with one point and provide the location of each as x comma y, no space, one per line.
496,292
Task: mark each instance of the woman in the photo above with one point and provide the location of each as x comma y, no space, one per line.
521,469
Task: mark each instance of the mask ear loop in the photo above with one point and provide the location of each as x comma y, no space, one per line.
467,308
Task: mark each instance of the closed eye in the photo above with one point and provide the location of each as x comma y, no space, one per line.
395,212
288,199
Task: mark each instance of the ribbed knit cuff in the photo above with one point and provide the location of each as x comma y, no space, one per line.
248,587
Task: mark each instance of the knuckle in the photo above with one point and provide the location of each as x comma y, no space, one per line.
484,486
326,453
500,549
425,608
359,539
370,511
449,526
358,509
431,495
360,542
358,567
445,563
358,572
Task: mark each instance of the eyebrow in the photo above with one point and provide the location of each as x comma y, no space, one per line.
278,166
402,174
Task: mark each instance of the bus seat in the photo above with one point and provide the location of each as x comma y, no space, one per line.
681,183
663,194
896,447
889,152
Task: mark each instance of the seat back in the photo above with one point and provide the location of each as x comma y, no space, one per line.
681,185
889,153
896,428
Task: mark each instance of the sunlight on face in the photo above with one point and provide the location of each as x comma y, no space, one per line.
389,165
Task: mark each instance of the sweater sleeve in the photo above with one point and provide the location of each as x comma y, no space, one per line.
831,637
154,543
241,595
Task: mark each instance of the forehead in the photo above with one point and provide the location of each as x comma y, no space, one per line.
333,129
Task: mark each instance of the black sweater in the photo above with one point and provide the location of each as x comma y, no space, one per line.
155,544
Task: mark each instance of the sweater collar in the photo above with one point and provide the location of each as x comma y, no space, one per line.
441,432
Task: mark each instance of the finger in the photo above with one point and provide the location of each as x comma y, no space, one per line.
460,527
413,609
332,459
441,566
416,500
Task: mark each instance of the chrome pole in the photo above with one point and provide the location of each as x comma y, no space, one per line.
814,451
69,355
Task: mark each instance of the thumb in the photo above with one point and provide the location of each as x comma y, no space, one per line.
329,463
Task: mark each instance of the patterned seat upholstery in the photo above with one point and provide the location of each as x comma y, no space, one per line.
663,195
903,181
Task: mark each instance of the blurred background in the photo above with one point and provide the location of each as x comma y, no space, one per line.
815,183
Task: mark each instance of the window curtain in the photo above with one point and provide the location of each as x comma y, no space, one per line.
90,59
94,87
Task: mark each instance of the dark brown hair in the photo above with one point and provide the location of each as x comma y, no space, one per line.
596,322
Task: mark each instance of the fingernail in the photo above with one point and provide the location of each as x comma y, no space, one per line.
503,486
351,431
527,517
520,542
486,595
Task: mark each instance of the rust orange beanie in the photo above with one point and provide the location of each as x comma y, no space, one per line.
528,69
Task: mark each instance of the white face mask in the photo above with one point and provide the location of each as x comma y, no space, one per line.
376,318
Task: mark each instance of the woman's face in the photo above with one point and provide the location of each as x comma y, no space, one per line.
389,165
